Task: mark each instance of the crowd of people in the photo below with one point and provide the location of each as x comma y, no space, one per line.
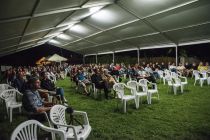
37,87
103,76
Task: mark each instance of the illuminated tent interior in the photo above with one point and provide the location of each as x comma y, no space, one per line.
102,26
96,27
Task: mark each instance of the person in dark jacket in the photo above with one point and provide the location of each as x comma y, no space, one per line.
97,79
20,82
48,86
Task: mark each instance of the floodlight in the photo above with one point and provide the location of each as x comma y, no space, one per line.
79,29
104,16
94,9
64,37
54,42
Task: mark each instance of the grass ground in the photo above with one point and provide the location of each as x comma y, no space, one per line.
174,117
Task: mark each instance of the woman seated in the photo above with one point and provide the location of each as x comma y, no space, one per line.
83,81
181,68
107,77
202,68
100,81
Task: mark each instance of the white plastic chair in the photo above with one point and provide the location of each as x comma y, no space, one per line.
175,85
174,75
179,82
167,75
208,78
58,118
150,92
9,96
4,87
119,88
184,81
28,130
51,76
161,74
139,94
96,91
198,78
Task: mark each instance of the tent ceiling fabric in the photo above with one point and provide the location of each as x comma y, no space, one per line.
98,26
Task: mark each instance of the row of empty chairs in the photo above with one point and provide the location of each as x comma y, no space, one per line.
174,80
135,92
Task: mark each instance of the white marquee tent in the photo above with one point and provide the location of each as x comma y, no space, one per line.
102,26
56,58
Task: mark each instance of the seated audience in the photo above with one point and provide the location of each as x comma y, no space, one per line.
163,66
201,67
172,67
109,78
99,82
47,86
194,66
207,66
32,101
20,82
83,81
188,69
181,68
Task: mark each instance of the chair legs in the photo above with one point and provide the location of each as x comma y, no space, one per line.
182,88
149,97
10,115
124,106
175,90
149,101
137,101
208,80
194,82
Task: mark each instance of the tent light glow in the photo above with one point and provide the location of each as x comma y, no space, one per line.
103,15
95,9
70,24
54,42
79,29
126,50
194,42
158,46
64,37
110,52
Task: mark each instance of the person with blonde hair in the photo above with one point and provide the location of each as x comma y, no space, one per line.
201,67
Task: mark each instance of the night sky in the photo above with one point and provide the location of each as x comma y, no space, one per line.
30,56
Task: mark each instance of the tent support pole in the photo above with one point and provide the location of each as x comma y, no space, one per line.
83,59
96,59
176,55
138,55
113,57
